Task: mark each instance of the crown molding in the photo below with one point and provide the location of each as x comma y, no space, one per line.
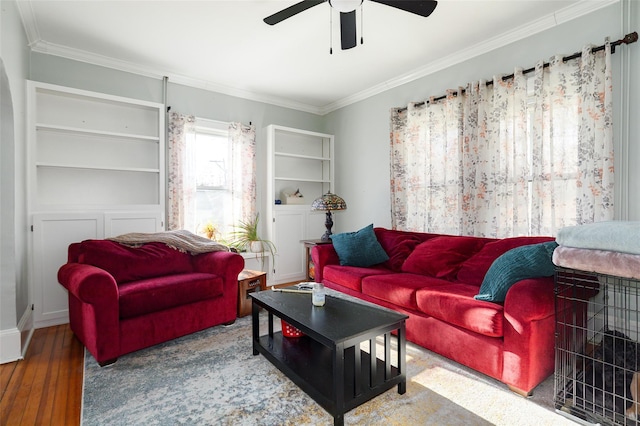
244,94
28,17
564,15
79,55
581,8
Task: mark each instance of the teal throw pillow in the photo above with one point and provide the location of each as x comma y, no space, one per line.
360,248
517,264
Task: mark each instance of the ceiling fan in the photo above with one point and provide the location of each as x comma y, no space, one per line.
347,9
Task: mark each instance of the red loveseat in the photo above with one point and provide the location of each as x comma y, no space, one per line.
433,279
122,299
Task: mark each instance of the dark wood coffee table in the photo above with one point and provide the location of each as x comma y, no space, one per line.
327,363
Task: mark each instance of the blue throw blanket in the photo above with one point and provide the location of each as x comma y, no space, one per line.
620,236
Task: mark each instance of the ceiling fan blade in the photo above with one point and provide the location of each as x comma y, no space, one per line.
422,8
291,10
348,29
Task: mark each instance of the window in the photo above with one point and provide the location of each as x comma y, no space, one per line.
213,178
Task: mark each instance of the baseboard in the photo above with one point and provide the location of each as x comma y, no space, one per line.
27,328
10,345
15,341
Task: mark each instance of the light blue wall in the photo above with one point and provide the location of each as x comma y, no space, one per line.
362,129
629,114
81,75
14,288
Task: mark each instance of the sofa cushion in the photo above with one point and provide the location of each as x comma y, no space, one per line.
360,248
126,263
159,293
399,288
441,257
398,245
517,264
455,304
474,269
350,276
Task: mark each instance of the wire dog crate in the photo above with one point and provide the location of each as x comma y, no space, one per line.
597,376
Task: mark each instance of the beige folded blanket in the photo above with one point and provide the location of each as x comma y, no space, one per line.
181,240
601,261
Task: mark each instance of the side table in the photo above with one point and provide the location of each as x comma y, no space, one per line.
308,245
248,282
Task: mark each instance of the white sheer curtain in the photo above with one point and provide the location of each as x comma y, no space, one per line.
181,175
182,172
523,156
243,171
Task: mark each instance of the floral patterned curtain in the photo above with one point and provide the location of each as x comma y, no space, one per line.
243,171
524,156
181,176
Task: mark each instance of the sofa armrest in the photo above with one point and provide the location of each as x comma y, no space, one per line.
530,300
529,327
225,264
89,284
94,309
322,255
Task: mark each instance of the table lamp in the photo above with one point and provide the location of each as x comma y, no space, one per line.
328,202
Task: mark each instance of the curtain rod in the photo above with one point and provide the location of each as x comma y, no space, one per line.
628,39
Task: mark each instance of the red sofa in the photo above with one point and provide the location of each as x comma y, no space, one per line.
122,299
433,279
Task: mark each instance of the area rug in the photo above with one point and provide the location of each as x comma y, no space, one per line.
212,378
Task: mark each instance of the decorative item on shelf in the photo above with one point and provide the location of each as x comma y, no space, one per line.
292,197
328,202
245,238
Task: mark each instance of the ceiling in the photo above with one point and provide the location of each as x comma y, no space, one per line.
225,46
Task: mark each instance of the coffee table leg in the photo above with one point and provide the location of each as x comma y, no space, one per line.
387,356
338,383
373,363
402,358
255,326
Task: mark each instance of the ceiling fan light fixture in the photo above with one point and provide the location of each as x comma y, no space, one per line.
345,5
347,9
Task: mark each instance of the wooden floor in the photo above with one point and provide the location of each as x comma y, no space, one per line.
46,387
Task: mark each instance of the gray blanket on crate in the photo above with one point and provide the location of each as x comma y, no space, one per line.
618,236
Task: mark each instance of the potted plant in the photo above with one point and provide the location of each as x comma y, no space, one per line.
245,238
